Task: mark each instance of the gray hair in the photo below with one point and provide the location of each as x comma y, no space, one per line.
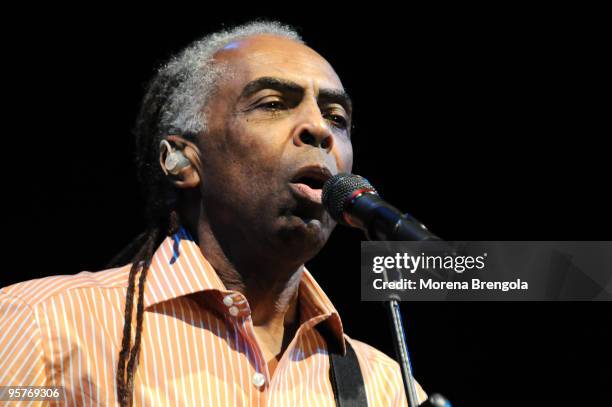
196,76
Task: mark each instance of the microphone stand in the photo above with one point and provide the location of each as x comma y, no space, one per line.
416,232
354,202
401,350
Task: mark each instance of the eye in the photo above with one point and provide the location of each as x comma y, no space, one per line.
337,120
272,105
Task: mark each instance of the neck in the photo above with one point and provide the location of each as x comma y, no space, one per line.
269,285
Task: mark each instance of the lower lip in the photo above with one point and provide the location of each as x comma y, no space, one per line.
307,192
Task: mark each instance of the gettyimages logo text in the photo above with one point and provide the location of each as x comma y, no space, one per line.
404,261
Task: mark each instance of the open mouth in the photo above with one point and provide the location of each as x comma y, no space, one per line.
312,182
308,182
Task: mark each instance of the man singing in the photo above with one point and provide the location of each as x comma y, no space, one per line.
211,305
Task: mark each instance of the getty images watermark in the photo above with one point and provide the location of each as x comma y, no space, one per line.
487,271
434,264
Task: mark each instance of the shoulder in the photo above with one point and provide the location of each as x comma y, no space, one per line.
372,354
41,319
33,293
381,370
376,364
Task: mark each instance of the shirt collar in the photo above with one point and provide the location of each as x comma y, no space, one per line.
178,268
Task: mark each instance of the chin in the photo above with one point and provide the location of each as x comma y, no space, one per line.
304,238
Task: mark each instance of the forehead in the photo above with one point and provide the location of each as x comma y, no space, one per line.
275,56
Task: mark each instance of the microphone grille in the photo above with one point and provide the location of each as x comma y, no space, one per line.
338,190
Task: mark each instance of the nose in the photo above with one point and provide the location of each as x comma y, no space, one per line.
314,131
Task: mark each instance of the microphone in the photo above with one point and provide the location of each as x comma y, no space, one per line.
352,201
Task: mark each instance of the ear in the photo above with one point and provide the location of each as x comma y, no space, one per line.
189,176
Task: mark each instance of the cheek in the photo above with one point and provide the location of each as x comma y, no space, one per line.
255,147
344,156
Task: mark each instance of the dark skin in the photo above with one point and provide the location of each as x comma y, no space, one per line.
281,109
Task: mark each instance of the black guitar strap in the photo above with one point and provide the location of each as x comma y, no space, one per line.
344,373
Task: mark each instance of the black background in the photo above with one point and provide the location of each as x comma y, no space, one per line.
484,124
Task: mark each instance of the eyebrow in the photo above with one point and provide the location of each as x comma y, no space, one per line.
286,86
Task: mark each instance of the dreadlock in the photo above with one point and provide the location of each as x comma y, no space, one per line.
162,220
173,104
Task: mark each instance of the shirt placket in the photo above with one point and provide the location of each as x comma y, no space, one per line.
237,308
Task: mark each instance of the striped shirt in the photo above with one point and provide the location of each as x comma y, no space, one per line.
66,331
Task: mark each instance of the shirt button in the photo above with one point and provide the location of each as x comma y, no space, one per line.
259,380
228,301
233,311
